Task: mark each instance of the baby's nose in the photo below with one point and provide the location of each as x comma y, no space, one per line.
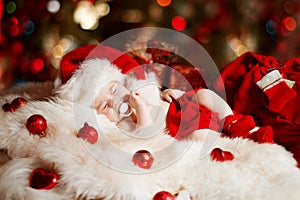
126,97
111,103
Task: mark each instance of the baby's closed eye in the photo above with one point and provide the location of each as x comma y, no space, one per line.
102,107
113,88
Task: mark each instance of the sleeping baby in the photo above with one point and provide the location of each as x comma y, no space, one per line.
138,105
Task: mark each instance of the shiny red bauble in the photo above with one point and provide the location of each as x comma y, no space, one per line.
7,107
143,159
42,180
14,105
37,125
18,102
163,195
88,133
218,154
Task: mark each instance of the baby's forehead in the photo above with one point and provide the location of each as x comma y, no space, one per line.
107,87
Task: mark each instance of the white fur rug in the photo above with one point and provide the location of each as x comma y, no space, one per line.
105,171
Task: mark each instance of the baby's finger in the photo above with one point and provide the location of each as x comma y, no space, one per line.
134,95
135,98
168,98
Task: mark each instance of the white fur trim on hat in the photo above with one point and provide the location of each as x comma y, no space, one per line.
88,80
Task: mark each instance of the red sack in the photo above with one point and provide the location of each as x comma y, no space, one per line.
278,107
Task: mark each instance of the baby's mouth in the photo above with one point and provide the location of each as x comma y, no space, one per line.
125,109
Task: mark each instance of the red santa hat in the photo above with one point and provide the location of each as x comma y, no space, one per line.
85,70
71,61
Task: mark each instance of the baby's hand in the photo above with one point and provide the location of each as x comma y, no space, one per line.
136,101
142,111
169,94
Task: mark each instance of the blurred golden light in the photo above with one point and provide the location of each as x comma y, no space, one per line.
58,51
66,43
90,22
55,63
87,14
132,16
237,46
156,12
81,9
102,9
241,50
233,43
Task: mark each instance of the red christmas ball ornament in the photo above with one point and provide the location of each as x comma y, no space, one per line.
163,195
37,125
18,102
7,107
228,155
42,180
218,154
143,159
14,105
88,133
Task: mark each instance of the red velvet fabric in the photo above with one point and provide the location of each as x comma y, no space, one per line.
244,96
185,116
71,61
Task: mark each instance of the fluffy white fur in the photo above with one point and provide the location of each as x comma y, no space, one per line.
105,171
88,80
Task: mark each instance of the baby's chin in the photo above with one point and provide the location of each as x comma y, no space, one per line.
104,122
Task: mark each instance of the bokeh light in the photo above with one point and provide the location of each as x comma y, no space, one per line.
289,23
14,30
17,47
289,7
156,12
53,6
87,14
11,7
14,20
237,45
204,35
225,28
28,27
241,50
178,23
37,65
58,51
90,22
132,16
102,9
271,27
164,3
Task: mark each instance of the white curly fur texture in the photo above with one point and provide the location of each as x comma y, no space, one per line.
104,170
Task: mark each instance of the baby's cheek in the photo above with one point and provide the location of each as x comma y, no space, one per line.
110,115
133,100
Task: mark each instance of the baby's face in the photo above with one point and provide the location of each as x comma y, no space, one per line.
108,100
